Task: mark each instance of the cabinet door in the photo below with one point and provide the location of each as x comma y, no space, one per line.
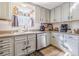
31,43
47,39
54,40
47,16
43,20
37,13
4,10
21,45
72,44
52,16
6,46
20,48
58,14
74,10
65,12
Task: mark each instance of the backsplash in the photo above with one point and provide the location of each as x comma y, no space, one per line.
72,25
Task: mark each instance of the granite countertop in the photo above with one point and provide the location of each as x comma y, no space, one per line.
20,33
66,33
33,32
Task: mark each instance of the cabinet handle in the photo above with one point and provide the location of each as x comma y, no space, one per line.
1,52
29,46
25,48
53,36
1,46
1,41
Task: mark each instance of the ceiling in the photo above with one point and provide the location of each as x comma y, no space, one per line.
48,5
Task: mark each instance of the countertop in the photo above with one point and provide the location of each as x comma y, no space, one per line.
33,32
20,33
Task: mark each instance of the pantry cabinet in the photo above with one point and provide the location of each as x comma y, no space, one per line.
65,12
74,10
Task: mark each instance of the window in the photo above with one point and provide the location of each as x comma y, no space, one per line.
23,15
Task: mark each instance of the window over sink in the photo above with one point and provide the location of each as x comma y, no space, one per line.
23,15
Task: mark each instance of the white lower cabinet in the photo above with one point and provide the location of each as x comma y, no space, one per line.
72,42
47,35
25,44
67,43
6,46
31,43
56,39
20,45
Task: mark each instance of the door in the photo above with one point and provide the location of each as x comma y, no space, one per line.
65,12
74,10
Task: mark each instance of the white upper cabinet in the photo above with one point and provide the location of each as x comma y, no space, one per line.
74,10
52,15
42,15
37,14
65,12
4,10
47,16
43,19
58,14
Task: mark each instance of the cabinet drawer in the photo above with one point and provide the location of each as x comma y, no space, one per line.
21,37
5,52
4,40
4,46
31,36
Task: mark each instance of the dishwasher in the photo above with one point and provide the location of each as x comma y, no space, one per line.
42,40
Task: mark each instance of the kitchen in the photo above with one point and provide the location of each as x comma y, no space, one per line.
39,29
